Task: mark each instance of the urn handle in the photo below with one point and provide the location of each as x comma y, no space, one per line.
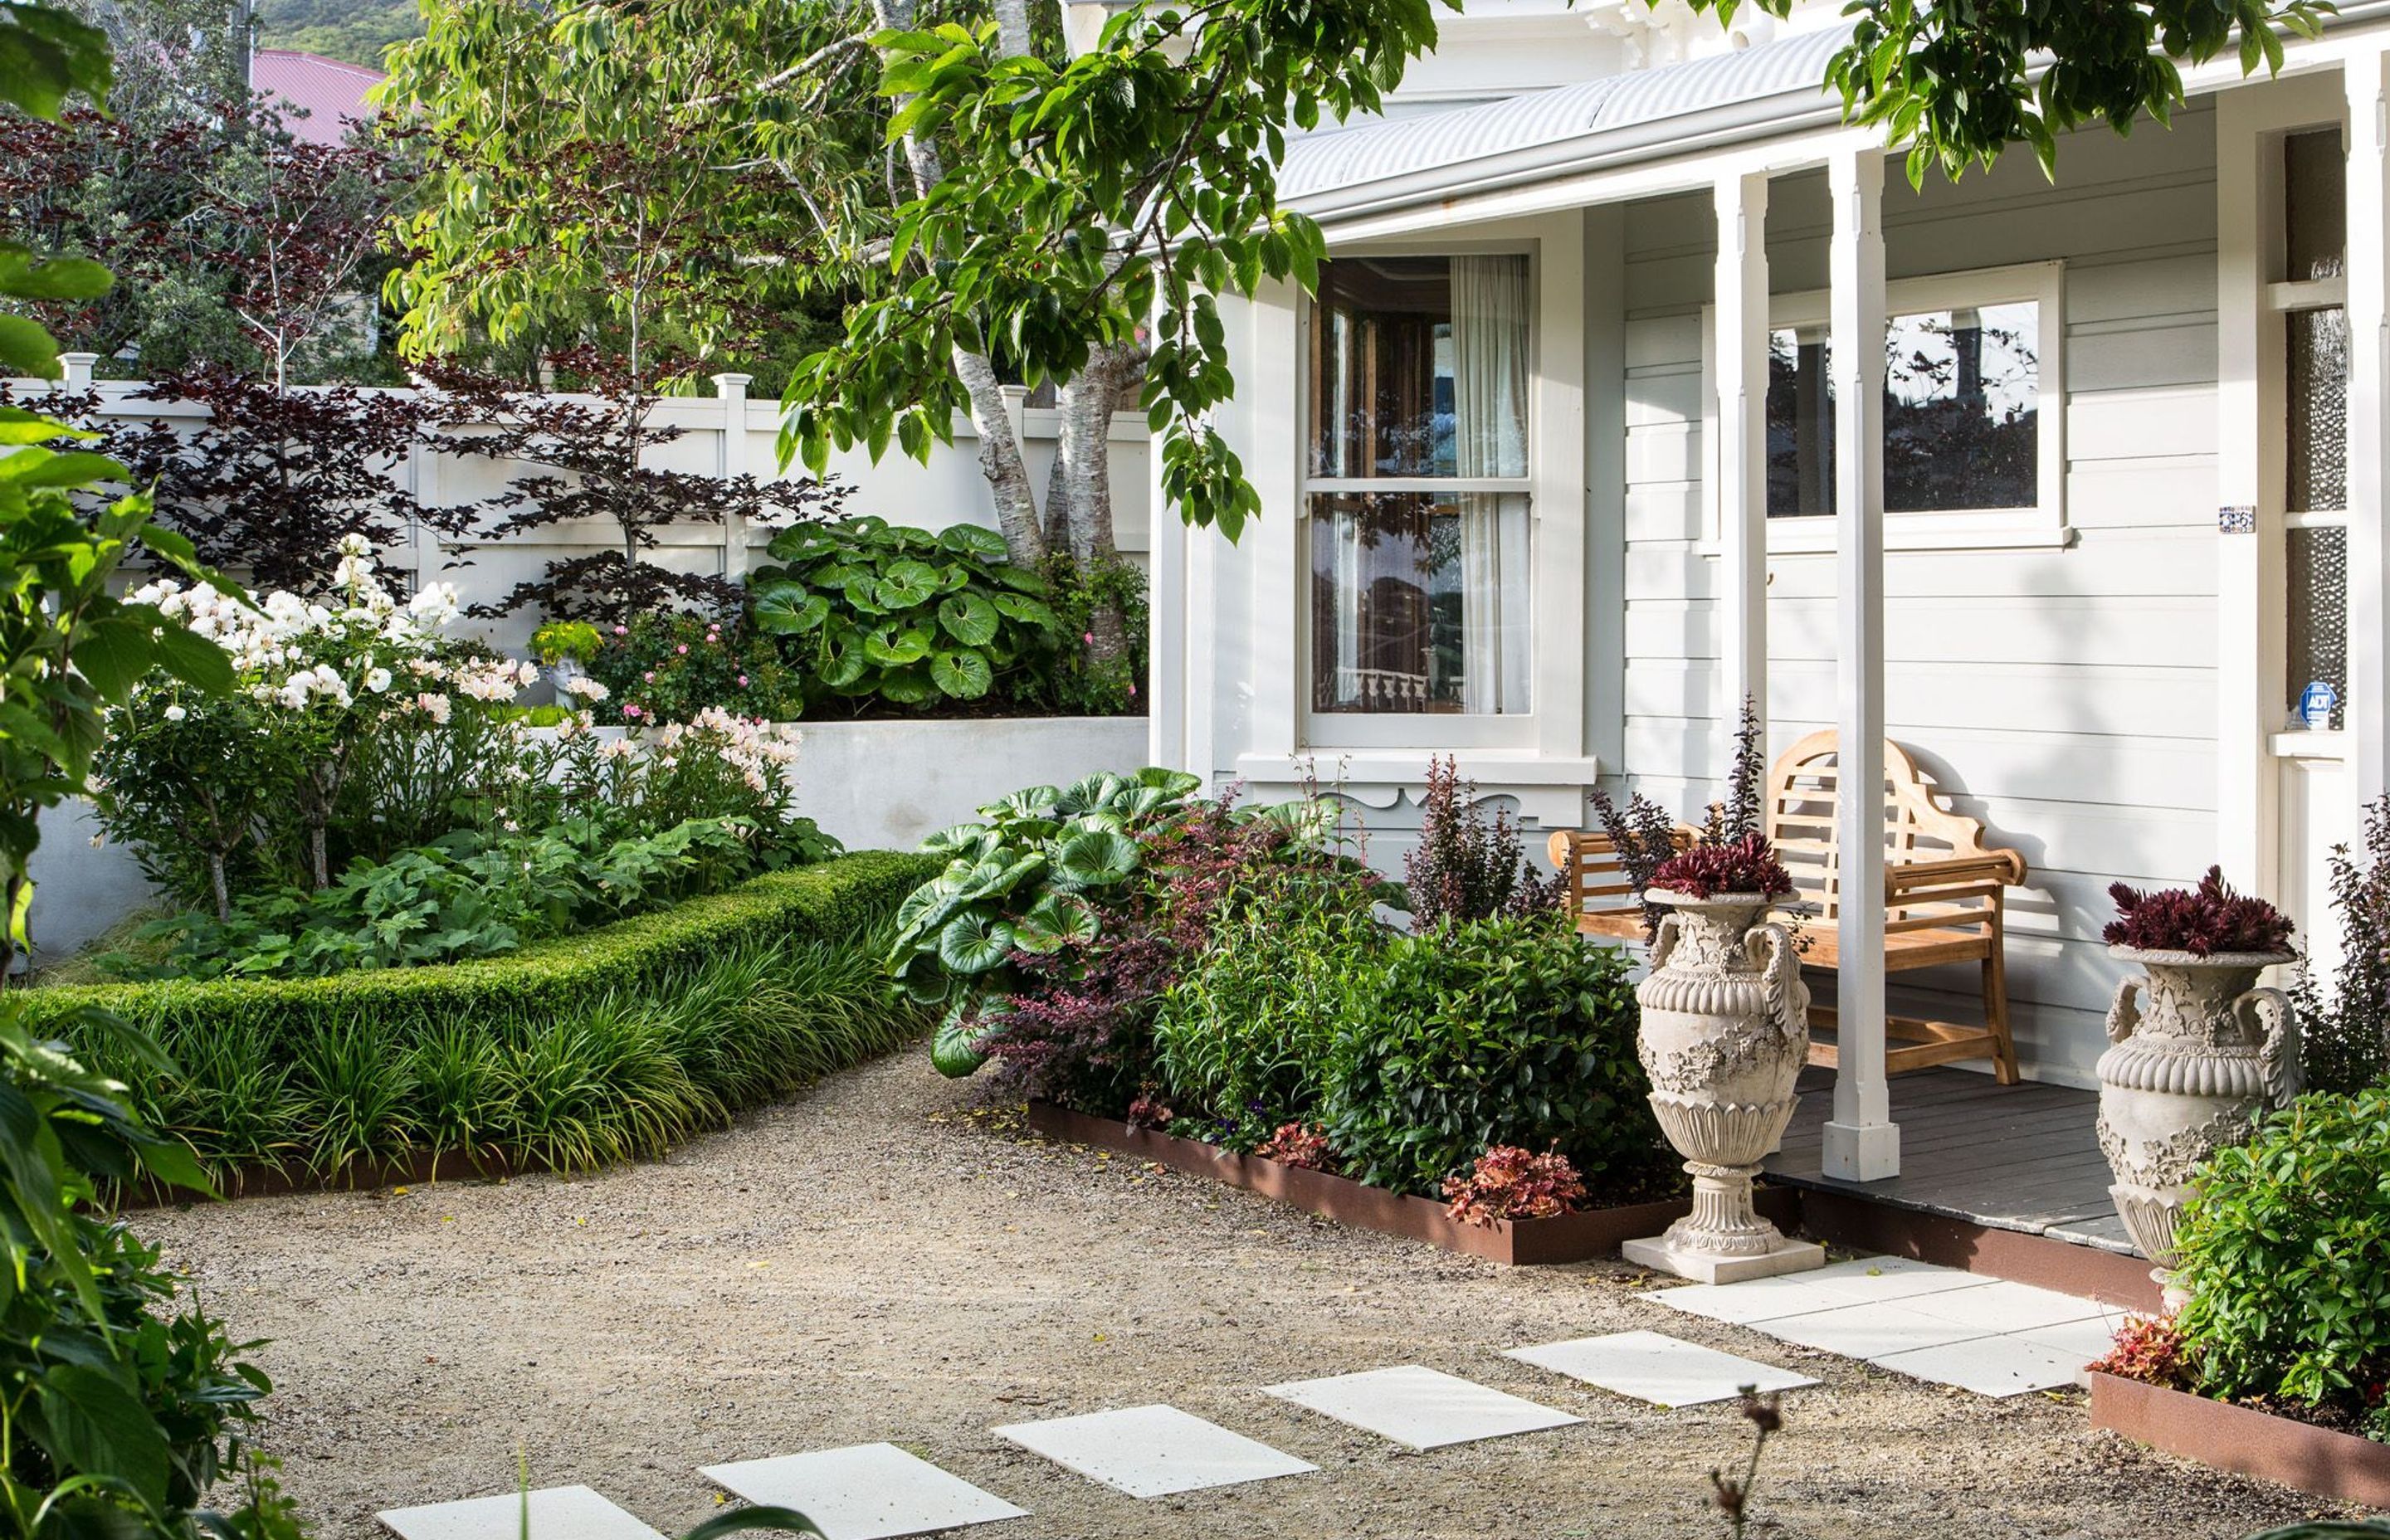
2125,1012
1781,966
1663,941
2278,1050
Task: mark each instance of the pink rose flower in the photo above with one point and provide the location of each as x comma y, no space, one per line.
1089,639
1132,691
633,710
621,631
681,649
743,681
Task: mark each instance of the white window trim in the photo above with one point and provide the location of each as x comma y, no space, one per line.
2042,526
1553,724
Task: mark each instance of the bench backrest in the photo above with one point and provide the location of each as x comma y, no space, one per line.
1802,801
1804,797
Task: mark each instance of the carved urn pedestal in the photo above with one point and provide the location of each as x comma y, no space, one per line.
2196,1050
1725,1031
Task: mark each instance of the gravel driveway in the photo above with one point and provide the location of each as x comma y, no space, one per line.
886,1259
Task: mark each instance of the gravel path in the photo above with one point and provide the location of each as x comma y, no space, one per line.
886,1259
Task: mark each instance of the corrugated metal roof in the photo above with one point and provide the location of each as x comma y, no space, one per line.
1349,158
332,91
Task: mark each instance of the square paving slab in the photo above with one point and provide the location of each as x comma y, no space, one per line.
1869,1281
1419,1407
1988,1365
1748,1303
1153,1451
2081,1341
870,1491
2004,1306
1868,1330
557,1513
1651,1366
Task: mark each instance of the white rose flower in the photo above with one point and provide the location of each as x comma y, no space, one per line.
377,679
176,713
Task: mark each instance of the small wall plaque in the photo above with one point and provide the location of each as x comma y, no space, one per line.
2240,519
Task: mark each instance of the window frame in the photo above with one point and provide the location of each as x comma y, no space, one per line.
1335,731
2044,524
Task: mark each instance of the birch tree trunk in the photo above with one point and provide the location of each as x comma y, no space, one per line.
1083,469
1000,458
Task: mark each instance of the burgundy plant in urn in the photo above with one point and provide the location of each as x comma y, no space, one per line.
2196,1047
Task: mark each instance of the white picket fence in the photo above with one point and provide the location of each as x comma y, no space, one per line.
728,434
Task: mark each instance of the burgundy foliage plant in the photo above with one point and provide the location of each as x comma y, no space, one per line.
2204,922
1467,867
1746,866
1300,1145
1511,1182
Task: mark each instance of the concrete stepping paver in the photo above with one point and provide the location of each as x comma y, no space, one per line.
557,1513
865,1492
1420,1407
1749,1304
1869,1330
2002,1306
1988,1365
1650,1366
1153,1451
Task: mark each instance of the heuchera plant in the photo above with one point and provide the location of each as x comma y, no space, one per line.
1301,1145
1744,865
2203,920
1511,1182
2149,1349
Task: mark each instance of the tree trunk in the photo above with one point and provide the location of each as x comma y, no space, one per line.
1000,458
1012,28
1082,464
218,884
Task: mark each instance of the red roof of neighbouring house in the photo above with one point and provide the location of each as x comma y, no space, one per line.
332,92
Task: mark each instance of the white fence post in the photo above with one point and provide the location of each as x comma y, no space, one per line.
731,392
77,369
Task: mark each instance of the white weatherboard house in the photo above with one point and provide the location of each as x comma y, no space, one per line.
1637,382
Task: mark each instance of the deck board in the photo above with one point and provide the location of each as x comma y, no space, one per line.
2012,1157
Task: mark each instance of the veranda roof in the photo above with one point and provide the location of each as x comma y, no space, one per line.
1642,114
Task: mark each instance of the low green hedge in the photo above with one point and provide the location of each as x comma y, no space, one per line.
610,1044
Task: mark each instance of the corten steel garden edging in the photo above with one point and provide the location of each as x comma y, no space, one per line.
2242,1439
1524,1242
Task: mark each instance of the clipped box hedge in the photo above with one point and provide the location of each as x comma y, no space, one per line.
574,1052
834,899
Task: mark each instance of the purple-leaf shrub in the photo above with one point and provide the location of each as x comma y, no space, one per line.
1744,865
2203,920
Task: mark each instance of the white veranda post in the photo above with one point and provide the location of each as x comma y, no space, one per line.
2368,717
1861,1142
1739,325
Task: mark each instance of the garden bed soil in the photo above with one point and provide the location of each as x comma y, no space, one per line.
2243,1439
1512,1242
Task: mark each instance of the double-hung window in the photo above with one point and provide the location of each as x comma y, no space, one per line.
1416,485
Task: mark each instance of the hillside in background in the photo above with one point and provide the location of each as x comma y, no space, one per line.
357,31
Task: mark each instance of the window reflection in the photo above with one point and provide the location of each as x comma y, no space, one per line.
1418,602
1961,413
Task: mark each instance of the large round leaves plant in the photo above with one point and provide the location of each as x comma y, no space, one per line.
1034,874
869,610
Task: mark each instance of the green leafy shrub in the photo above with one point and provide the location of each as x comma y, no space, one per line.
1085,681
607,1045
1498,1031
2285,1253
1246,1031
669,666
873,612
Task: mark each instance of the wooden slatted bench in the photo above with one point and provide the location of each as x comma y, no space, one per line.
1945,897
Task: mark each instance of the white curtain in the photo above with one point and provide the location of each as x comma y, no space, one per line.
1489,380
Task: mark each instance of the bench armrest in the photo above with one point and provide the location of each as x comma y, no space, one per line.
2005,866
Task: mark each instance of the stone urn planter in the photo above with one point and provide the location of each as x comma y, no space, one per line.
1725,1031
2195,1050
